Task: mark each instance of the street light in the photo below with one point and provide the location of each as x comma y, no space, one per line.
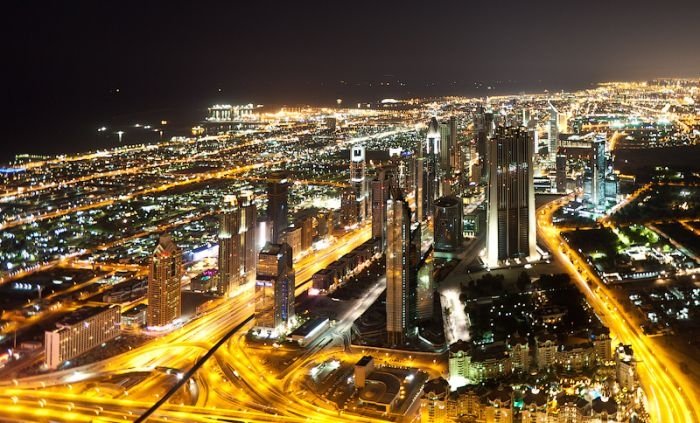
120,133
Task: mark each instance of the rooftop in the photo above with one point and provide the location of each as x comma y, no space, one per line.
82,314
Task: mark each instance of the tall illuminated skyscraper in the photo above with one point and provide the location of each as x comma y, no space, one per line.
248,229
447,224
532,133
237,242
455,151
445,150
274,287
560,166
277,208
164,274
598,168
358,180
553,131
484,126
348,206
400,280
419,180
594,176
511,197
432,181
229,246
380,194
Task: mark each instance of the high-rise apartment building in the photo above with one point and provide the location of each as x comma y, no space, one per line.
431,186
358,180
277,207
553,131
248,228
165,272
237,242
80,331
511,198
229,246
560,178
447,224
400,279
275,287
598,167
380,195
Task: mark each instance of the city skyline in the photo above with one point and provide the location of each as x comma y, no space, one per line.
351,212
95,66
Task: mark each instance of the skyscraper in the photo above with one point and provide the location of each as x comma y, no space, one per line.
348,207
229,246
248,229
561,172
598,168
532,133
484,126
432,182
419,179
445,148
277,208
275,285
447,224
380,195
400,281
511,197
456,163
448,166
165,272
425,291
553,131
358,181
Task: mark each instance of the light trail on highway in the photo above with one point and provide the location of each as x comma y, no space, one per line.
664,390
180,348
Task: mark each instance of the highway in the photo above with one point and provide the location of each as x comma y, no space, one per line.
316,261
665,390
178,350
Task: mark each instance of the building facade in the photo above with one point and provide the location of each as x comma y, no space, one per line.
79,332
165,273
511,198
358,180
447,224
277,206
275,287
400,297
229,246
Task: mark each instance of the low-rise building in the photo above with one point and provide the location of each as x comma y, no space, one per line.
576,354
546,346
602,344
625,366
497,406
325,280
388,392
135,317
492,362
519,350
434,401
572,409
81,331
459,359
534,408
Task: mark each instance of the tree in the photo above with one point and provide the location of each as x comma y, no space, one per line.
523,281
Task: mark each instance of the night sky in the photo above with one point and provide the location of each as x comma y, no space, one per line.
63,61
